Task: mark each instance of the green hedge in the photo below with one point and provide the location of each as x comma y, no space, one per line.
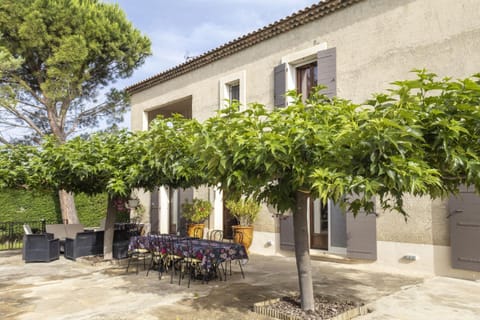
22,205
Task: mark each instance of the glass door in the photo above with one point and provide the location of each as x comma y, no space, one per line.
318,225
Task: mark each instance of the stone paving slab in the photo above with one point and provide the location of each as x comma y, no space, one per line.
436,298
88,289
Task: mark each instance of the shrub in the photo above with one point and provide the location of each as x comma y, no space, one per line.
196,211
244,210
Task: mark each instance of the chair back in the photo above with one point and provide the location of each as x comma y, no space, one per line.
216,235
27,229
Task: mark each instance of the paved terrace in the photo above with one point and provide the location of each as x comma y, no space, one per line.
86,289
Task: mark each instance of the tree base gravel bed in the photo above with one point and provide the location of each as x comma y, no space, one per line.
326,307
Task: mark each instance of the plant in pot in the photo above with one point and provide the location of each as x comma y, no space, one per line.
196,212
246,212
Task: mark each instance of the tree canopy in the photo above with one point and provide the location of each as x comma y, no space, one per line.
421,138
56,56
416,139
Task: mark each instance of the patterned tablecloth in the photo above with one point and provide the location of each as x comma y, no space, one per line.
211,253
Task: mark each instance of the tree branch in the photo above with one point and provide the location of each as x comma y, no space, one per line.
4,141
25,118
12,124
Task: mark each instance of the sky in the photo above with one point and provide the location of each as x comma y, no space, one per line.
187,28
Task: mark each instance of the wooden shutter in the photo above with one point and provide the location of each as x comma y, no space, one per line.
338,226
280,85
362,236
464,215
287,241
327,71
155,210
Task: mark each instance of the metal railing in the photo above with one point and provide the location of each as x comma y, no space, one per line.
11,233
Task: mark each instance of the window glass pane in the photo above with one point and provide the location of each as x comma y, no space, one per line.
234,92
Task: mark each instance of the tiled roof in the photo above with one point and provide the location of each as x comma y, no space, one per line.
309,14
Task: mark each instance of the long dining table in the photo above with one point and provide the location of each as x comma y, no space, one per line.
211,253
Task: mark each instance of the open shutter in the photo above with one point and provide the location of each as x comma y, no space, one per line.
287,241
362,236
464,215
327,71
280,85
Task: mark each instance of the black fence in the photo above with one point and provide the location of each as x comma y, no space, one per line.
11,233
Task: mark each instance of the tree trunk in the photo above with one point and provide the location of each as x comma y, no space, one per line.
109,229
67,206
302,251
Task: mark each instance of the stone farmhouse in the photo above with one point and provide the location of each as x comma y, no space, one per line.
355,48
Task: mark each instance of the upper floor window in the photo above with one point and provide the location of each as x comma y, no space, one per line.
307,79
303,70
234,91
232,87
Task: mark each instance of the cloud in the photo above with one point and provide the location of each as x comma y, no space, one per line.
192,27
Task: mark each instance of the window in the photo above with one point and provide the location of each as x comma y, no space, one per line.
232,87
307,79
303,70
234,91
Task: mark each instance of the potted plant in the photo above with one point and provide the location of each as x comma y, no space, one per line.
246,212
195,213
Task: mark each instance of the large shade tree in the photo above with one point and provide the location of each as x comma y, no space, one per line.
97,164
118,163
56,57
421,138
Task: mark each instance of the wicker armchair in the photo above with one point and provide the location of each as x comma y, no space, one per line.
40,247
87,243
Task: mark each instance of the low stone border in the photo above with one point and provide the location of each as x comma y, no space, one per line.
264,308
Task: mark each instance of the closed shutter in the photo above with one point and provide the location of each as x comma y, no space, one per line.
327,71
287,241
155,210
338,237
280,85
362,236
464,215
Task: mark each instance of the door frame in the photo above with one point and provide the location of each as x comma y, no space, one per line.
330,249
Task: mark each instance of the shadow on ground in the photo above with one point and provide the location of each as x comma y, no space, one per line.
87,289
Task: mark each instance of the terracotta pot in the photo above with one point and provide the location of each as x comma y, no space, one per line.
243,235
195,230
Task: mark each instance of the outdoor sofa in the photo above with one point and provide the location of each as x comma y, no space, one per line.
90,243
87,243
63,231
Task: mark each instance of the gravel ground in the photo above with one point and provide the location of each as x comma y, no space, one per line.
325,307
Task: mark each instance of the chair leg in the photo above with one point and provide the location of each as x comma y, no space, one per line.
128,264
172,267
161,267
132,257
145,261
152,263
241,268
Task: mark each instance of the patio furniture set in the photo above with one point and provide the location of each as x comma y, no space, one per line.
74,241
195,258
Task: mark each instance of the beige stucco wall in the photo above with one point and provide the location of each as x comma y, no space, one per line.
377,41
426,222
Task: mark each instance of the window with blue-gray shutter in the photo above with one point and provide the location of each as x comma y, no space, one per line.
280,85
464,216
327,71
